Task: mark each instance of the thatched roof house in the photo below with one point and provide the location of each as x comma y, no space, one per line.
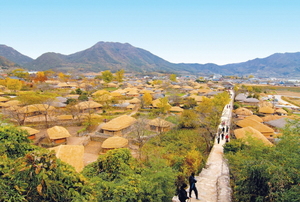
176,110
118,126
3,99
134,101
70,154
31,131
88,105
265,130
255,117
159,125
58,134
100,92
281,112
36,109
243,112
242,133
114,142
266,110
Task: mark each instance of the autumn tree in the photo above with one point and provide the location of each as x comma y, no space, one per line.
119,75
188,119
40,77
147,99
21,73
163,105
14,84
107,76
173,77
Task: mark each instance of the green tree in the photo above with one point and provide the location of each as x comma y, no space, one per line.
107,76
163,105
188,119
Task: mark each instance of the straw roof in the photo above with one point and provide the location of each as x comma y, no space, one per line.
64,117
70,154
255,124
243,111
266,110
281,111
31,131
131,106
115,94
176,109
66,84
114,142
36,108
88,105
3,99
100,92
265,103
119,123
271,117
243,132
255,117
134,101
158,122
12,103
58,132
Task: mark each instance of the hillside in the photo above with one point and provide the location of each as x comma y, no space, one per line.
115,56
4,62
13,55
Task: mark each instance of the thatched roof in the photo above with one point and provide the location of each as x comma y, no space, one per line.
58,132
66,84
265,103
36,108
11,103
158,122
31,131
114,142
119,123
176,109
156,102
255,117
64,117
115,94
243,132
243,111
131,106
3,99
266,110
70,154
88,105
255,124
100,92
271,117
281,111
134,101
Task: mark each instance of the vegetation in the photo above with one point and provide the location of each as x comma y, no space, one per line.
261,173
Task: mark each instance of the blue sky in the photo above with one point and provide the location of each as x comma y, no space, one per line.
189,31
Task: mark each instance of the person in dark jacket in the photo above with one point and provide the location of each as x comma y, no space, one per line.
182,193
193,181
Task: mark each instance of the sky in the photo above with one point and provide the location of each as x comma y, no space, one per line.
179,31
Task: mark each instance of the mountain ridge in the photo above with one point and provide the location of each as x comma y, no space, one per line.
115,56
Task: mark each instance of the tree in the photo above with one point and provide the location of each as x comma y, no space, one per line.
21,73
163,105
188,119
14,84
262,173
107,76
40,77
210,111
147,99
120,75
173,77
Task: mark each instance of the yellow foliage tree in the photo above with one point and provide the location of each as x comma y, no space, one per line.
147,99
14,84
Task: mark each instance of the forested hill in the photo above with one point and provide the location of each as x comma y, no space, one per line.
115,56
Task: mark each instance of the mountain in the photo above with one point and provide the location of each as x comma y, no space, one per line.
13,55
103,56
116,56
4,62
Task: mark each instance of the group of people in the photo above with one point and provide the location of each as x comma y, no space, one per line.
225,130
183,195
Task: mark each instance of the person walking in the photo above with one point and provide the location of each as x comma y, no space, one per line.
182,195
218,139
227,137
192,182
222,135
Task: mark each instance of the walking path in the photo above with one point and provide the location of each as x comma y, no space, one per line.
213,183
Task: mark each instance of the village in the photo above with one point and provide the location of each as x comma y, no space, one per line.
110,111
